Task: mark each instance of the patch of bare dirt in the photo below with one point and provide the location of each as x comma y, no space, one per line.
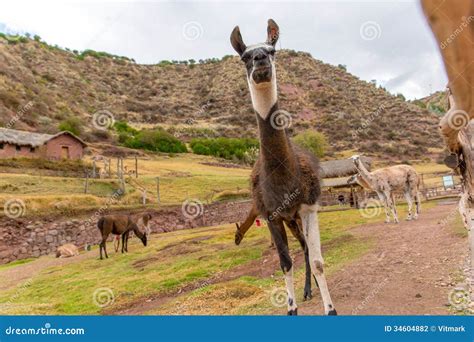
409,272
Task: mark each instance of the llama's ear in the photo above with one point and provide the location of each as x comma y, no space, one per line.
273,32
237,42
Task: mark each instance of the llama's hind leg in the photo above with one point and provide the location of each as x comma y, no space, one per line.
410,205
298,234
309,218
279,236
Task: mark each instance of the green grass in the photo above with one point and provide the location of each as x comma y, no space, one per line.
173,261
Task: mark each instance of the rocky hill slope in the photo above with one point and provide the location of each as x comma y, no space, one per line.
41,86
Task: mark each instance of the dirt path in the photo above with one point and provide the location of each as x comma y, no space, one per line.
409,272
15,275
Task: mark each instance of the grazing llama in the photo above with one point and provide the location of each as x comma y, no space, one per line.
282,170
119,225
387,180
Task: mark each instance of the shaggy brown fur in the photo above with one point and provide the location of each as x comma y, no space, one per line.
285,179
119,225
67,250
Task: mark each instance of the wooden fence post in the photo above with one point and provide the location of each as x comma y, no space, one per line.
158,190
136,167
86,183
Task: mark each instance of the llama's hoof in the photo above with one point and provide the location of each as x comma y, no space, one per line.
307,295
293,312
332,312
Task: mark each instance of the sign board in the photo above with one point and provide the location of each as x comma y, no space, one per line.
448,181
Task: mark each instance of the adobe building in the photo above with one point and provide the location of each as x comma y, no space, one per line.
63,145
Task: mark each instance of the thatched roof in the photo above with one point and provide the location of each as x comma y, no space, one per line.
341,168
340,182
23,138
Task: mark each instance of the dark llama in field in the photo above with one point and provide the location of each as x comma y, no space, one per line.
120,225
285,179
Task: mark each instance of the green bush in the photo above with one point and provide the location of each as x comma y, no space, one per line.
228,148
314,142
73,125
157,140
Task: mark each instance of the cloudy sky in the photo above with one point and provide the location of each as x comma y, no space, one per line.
388,41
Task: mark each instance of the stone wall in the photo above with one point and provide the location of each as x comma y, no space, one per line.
21,238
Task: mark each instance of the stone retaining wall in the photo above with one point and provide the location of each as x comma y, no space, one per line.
22,238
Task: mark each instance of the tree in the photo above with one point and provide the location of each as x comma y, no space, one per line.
73,125
313,141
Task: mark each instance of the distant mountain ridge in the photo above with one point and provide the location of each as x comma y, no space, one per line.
206,99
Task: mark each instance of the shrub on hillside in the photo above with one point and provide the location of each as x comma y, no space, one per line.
73,125
227,148
157,140
314,142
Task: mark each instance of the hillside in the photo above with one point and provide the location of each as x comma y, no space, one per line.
436,103
205,99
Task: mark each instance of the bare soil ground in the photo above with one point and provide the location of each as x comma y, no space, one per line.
409,272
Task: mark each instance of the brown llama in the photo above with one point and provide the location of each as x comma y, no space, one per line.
120,225
285,179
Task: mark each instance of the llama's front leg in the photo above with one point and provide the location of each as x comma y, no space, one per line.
309,218
392,206
384,202
279,237
410,205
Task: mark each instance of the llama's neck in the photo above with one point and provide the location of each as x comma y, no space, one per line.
275,146
364,173
264,95
137,232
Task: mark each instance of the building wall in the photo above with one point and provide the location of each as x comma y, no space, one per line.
55,145
10,151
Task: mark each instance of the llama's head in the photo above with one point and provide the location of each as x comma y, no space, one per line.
144,239
259,59
353,179
356,159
